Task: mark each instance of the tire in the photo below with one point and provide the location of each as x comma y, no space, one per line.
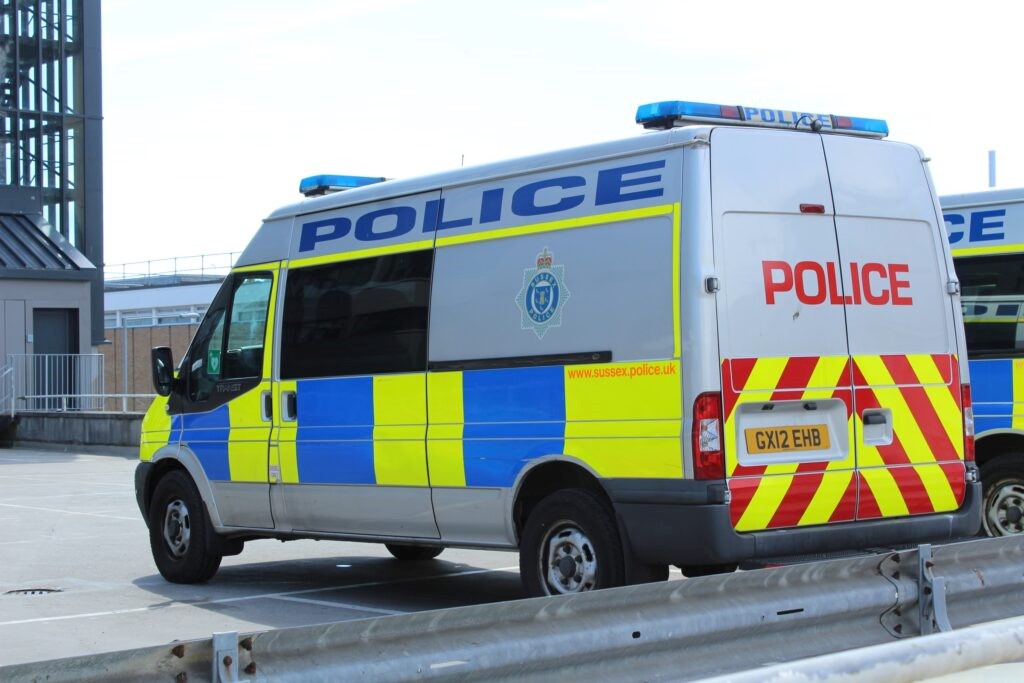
180,534
692,571
413,553
576,529
1003,503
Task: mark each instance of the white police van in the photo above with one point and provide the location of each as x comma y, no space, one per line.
736,337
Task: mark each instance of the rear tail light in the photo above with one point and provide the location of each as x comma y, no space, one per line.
965,399
708,455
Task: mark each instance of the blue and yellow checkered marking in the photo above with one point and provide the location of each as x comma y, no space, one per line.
487,425
997,394
621,419
206,435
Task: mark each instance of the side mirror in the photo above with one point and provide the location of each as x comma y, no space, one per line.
163,370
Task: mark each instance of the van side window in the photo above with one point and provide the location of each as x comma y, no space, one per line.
229,343
614,294
992,296
361,317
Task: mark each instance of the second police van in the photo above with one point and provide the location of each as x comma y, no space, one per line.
986,233
739,336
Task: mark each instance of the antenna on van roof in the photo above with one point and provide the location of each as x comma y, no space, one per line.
317,185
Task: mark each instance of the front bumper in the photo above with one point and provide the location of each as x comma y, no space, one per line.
687,522
141,485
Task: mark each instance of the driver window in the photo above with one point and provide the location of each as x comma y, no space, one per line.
229,343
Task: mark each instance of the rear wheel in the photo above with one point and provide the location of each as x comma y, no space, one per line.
570,544
180,532
413,553
1003,483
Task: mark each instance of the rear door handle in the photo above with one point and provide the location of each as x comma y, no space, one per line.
874,418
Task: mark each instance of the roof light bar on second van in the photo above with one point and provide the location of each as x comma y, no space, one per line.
316,185
665,115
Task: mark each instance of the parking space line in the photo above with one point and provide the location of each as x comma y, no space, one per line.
261,596
50,481
66,495
342,605
67,512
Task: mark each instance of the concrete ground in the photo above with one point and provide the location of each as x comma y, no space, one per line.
76,575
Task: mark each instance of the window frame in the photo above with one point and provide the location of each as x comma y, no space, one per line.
999,260
291,350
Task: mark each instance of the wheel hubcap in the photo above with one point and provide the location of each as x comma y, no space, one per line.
569,563
1004,514
177,528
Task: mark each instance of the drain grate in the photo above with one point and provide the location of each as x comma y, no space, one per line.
34,591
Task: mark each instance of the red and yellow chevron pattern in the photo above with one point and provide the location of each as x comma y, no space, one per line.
919,472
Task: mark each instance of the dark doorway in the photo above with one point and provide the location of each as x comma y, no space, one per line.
55,339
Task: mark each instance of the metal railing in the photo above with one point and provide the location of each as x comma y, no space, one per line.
203,266
55,381
679,630
7,390
98,403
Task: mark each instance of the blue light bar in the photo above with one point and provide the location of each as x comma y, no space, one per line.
664,115
316,185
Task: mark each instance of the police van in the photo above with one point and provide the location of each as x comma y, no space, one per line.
736,336
986,233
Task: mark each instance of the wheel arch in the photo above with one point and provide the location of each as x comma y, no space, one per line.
546,476
995,443
178,457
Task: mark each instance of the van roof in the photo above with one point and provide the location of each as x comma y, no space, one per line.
952,201
492,171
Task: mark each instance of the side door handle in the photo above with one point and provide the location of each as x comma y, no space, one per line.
267,406
289,406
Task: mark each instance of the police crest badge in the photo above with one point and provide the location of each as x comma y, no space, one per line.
543,295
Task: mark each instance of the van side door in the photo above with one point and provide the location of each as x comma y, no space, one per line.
351,443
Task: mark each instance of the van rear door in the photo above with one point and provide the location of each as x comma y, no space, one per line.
900,322
786,373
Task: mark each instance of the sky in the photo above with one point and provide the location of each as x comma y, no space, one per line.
214,110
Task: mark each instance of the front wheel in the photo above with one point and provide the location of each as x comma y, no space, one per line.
570,544
413,553
1003,509
179,531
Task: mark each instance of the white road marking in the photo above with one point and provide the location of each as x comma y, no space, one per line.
242,598
67,512
66,495
342,605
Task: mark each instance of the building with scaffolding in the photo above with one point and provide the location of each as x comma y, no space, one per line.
51,180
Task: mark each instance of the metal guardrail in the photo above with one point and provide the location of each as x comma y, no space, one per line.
682,630
907,661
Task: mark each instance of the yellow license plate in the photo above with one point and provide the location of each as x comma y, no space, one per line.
782,439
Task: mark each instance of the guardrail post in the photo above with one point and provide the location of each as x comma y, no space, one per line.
931,594
225,658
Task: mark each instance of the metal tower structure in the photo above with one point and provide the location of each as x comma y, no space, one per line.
51,140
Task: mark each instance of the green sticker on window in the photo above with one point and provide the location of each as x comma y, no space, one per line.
213,362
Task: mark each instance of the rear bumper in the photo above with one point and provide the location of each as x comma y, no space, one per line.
687,522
